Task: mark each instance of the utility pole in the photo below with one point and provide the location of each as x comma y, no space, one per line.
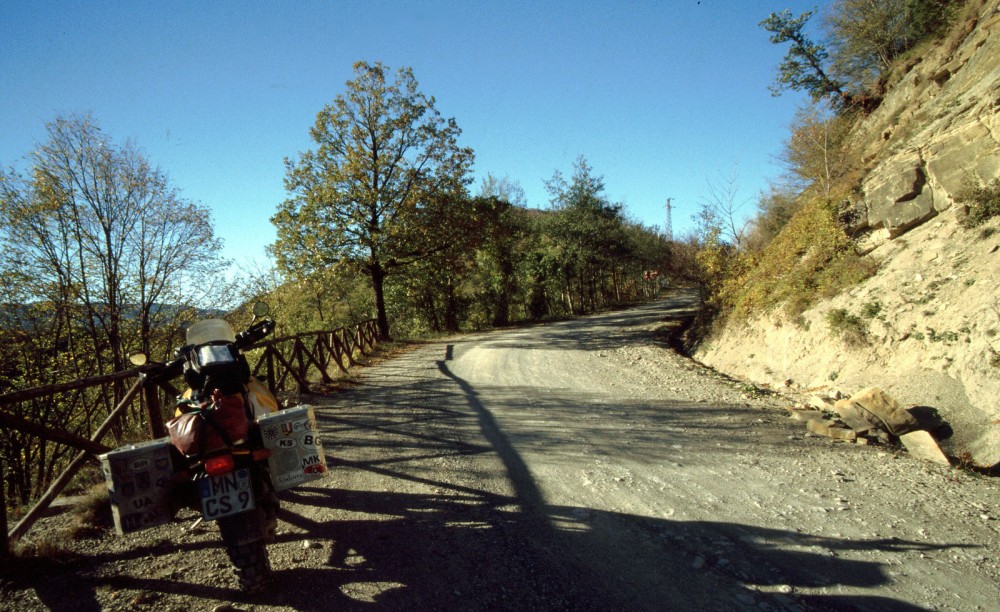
669,228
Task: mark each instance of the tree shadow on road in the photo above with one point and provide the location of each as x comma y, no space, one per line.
461,546
428,528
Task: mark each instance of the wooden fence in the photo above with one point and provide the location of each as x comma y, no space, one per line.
279,363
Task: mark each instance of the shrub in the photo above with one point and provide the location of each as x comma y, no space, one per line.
811,258
849,327
871,309
983,202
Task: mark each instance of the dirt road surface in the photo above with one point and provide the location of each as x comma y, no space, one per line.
579,465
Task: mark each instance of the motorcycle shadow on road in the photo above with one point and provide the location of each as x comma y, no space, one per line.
424,524
73,586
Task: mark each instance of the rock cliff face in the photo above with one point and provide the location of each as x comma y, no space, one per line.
937,130
931,315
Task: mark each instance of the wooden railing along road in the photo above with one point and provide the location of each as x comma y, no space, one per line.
279,363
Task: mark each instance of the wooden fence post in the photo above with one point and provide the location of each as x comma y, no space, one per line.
297,356
60,483
154,412
4,540
271,384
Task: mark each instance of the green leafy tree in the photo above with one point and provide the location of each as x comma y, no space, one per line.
381,190
501,207
929,18
805,65
587,231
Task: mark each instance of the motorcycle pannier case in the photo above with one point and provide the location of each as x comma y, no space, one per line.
138,478
296,451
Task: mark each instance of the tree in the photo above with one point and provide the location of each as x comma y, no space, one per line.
382,189
804,67
97,228
775,209
817,153
587,231
867,36
500,203
98,253
719,212
928,18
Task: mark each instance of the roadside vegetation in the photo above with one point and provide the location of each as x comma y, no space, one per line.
983,202
799,245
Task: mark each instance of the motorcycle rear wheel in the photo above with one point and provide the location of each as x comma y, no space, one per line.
251,565
244,536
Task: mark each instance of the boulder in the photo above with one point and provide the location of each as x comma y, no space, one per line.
922,445
855,417
895,194
876,407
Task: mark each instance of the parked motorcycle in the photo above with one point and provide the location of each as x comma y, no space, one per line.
220,462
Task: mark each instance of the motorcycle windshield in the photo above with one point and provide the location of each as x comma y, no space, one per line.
210,330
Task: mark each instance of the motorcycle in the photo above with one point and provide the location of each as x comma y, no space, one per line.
219,458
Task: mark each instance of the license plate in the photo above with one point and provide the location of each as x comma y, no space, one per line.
225,495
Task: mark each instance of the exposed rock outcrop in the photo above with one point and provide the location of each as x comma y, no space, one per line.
938,128
932,328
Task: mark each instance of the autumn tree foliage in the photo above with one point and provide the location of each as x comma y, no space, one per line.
383,189
102,256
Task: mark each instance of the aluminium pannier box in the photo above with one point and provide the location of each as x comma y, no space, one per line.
296,450
138,479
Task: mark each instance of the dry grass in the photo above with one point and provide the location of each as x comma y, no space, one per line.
811,258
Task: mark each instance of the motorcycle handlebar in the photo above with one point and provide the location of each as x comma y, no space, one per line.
254,333
251,335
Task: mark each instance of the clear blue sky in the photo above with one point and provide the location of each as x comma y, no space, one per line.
661,97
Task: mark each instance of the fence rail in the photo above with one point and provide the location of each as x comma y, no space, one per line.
278,363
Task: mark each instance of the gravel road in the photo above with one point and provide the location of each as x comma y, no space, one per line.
579,465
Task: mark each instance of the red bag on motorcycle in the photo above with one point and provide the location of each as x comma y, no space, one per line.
217,425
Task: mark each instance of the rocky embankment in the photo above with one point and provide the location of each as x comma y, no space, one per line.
926,327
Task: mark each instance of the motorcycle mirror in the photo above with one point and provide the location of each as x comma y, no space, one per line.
261,309
138,359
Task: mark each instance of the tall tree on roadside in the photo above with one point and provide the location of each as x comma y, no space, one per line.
500,204
99,230
587,229
382,187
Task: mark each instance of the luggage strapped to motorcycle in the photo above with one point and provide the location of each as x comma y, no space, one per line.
183,426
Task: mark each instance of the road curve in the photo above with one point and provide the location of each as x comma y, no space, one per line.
583,465
579,465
